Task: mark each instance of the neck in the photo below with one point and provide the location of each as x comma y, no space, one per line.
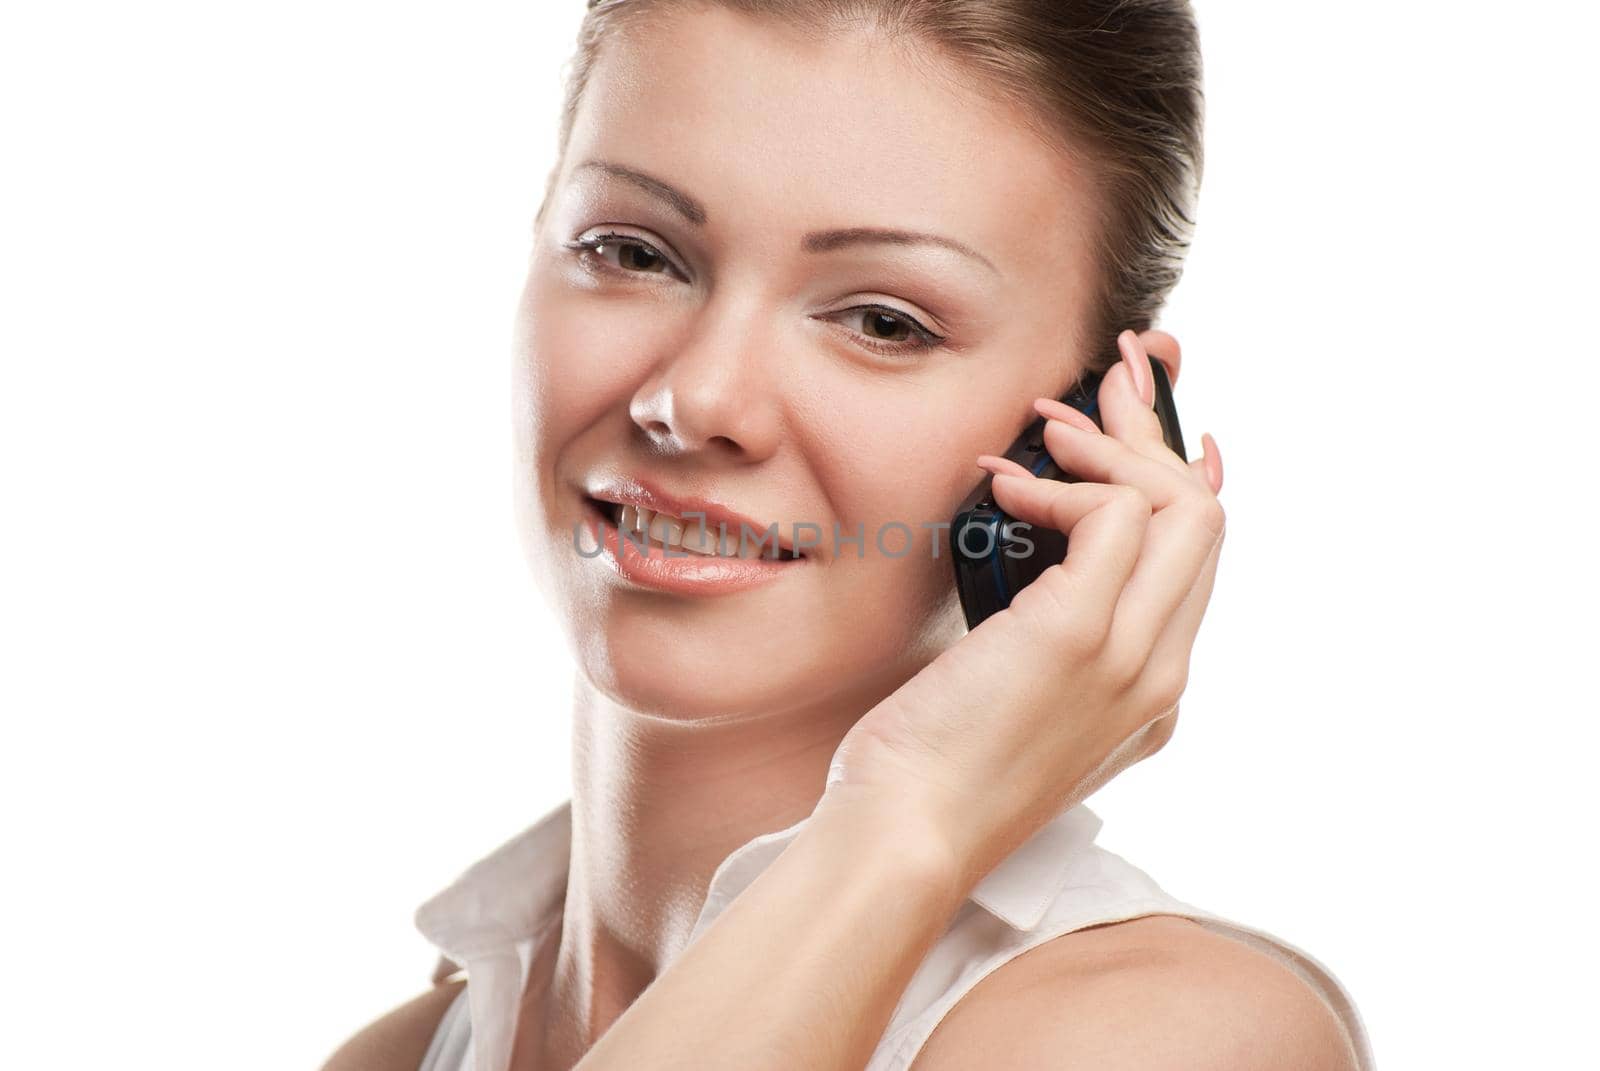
657,804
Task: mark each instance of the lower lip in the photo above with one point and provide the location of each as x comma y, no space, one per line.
684,573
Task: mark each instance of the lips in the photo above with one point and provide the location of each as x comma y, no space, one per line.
690,535
610,495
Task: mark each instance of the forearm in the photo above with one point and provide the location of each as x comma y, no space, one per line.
804,968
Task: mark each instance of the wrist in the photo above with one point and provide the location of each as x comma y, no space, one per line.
898,837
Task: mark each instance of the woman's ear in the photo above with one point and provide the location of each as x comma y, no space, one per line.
1164,348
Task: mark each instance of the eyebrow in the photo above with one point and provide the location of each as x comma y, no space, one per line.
813,242
677,200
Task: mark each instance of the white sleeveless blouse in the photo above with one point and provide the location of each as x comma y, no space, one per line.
495,917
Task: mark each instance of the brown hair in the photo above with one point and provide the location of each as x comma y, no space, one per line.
1118,81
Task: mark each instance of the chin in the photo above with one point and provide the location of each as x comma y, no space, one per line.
687,684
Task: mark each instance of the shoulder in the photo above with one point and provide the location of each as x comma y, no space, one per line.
1158,991
398,1040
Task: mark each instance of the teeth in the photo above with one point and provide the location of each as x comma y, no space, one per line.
666,530
700,537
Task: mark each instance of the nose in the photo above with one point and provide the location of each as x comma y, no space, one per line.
712,395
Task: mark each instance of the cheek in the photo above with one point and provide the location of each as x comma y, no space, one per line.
574,357
898,483
910,472
903,469
902,580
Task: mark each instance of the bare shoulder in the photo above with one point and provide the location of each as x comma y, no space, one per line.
1158,991
399,1040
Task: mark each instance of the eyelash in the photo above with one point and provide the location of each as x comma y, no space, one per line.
925,339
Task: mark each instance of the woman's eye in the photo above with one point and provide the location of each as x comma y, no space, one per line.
888,330
619,252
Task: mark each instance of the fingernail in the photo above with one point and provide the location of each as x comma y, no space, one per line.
1138,360
1213,461
1055,410
1001,466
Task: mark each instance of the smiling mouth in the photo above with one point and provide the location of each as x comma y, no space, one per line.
697,536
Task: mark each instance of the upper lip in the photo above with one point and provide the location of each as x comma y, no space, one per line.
633,491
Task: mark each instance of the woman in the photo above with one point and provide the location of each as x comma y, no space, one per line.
810,265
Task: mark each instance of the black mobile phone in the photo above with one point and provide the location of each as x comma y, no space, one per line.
995,554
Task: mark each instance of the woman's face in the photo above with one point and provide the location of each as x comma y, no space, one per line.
714,351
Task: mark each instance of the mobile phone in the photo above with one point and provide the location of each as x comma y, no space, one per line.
996,555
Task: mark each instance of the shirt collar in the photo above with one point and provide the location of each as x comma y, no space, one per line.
506,896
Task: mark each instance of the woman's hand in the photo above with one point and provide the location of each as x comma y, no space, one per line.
1080,676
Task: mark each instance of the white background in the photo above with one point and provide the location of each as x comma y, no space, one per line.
274,673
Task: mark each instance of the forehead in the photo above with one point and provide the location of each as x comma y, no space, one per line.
774,128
